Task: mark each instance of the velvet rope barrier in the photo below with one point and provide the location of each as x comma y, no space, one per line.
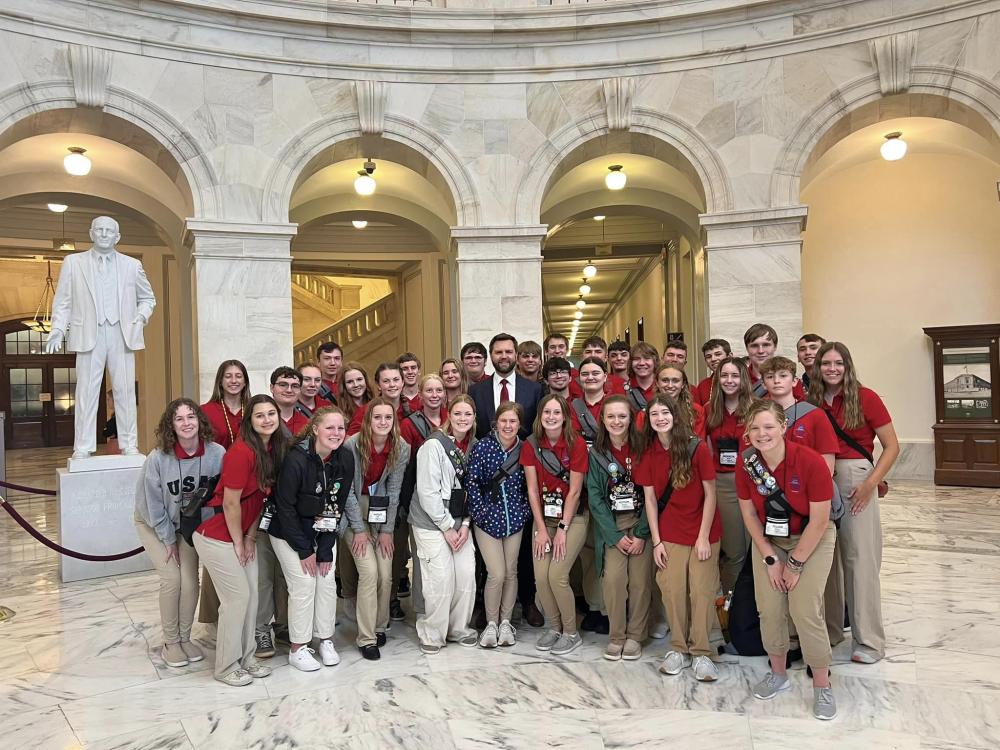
22,488
58,547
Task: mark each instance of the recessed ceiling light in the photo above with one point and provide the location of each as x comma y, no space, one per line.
359,223
57,208
599,217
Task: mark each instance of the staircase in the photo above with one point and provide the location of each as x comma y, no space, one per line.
369,336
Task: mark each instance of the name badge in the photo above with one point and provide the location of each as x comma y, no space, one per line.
552,504
728,458
378,509
777,527
623,497
326,522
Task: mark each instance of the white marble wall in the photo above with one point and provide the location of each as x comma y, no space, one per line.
499,282
243,296
754,274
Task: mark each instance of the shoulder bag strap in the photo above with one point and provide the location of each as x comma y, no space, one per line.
422,423
848,439
799,409
587,421
549,460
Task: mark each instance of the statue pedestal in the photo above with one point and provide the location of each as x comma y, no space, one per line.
96,507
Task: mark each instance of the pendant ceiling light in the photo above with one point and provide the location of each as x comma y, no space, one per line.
64,243
584,287
42,322
615,179
581,303
894,147
589,270
75,163
359,223
364,183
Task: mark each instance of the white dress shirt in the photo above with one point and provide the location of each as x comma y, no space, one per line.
497,377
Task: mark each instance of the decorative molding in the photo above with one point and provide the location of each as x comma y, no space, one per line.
618,96
91,68
371,97
893,58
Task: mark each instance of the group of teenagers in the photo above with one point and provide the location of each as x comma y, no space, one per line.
619,478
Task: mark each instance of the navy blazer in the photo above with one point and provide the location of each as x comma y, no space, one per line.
526,393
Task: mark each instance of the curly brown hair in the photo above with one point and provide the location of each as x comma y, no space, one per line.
164,434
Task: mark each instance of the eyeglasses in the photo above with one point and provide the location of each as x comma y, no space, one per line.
473,358
287,386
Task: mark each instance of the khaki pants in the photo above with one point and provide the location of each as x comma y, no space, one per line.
312,601
833,598
347,571
449,587
626,579
208,607
861,557
552,578
374,586
237,589
500,556
804,603
590,583
272,591
178,583
688,587
735,539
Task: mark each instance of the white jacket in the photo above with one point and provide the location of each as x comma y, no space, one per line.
435,480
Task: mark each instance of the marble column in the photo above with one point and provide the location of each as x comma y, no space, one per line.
499,281
754,273
241,277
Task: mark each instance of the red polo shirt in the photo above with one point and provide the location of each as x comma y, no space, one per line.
225,424
797,390
702,392
296,423
594,409
415,403
804,478
332,385
411,434
875,416
239,472
731,427
647,392
574,460
814,430
680,521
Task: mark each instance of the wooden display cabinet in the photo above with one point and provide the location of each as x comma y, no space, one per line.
967,423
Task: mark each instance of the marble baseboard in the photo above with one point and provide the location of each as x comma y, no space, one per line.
916,461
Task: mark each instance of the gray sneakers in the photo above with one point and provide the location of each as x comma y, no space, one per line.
547,640
705,669
566,643
507,633
770,686
674,662
824,704
488,639
236,678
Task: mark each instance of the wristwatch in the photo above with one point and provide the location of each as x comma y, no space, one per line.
563,525
770,560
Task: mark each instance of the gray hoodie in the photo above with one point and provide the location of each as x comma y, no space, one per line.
164,477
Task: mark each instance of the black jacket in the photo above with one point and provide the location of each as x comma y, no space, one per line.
301,473
526,393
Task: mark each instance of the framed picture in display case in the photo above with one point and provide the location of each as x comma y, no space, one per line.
967,423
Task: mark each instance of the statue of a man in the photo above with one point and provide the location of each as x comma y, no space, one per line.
103,300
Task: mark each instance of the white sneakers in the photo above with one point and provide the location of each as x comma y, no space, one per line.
507,633
328,653
303,660
674,662
705,669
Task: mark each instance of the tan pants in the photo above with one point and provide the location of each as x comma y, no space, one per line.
688,587
861,557
312,600
590,584
735,539
347,571
208,607
833,598
626,579
500,556
178,583
373,587
552,578
449,586
237,589
804,603
272,589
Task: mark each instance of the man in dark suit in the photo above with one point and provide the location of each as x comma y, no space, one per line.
504,385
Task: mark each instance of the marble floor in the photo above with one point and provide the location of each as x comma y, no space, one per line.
80,666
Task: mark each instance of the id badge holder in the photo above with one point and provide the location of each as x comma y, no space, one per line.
777,527
727,457
552,505
188,503
378,508
623,498
457,503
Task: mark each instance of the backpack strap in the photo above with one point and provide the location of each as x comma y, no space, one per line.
759,390
303,410
509,466
799,409
603,460
421,422
549,460
587,421
637,398
451,450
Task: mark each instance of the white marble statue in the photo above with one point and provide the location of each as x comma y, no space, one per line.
101,305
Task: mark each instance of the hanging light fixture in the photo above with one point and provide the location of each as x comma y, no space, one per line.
359,223
584,287
57,208
894,147
600,217
589,270
578,314
581,303
75,163
615,179
42,322
364,183
64,243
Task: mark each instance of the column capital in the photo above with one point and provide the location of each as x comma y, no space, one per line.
499,243
239,239
754,227
495,233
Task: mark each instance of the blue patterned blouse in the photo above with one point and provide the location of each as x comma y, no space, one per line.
502,512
